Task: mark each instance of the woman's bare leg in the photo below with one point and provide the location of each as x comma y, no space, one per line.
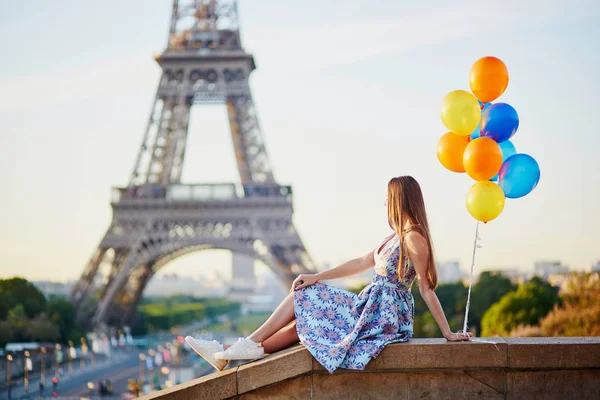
284,338
283,315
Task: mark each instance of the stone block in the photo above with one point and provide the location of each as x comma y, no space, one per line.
437,353
316,366
360,385
554,353
291,389
457,385
441,354
220,385
280,366
528,368
550,385
494,379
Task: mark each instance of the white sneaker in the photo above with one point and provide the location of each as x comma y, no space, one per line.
243,349
207,349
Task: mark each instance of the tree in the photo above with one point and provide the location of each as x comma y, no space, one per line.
4,307
580,314
41,329
25,315
64,315
17,291
453,298
524,306
424,326
161,313
490,288
17,321
571,321
581,290
6,333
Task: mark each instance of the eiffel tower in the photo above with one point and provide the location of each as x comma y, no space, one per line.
156,218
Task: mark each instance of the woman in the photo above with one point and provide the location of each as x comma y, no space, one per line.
340,328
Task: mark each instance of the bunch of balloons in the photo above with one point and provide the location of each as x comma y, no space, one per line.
478,142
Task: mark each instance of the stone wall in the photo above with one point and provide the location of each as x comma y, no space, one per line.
511,368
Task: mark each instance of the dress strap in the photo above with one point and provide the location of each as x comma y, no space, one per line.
383,244
405,258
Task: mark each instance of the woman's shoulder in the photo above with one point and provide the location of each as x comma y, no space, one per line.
415,240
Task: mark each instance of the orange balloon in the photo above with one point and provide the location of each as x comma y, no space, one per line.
450,149
488,78
482,158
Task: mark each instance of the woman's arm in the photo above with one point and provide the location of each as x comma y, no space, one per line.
418,251
352,267
349,268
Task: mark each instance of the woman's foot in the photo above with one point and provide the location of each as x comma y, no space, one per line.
243,349
207,350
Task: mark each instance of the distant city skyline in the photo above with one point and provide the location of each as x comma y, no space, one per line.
347,98
267,286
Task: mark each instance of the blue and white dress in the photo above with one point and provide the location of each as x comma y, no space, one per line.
342,329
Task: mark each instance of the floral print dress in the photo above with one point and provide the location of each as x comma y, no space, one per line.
343,329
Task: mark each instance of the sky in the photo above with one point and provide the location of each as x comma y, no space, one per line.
348,96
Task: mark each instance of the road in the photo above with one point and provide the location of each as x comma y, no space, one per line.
76,385
118,374
124,365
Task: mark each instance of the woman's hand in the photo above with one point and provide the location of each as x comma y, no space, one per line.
304,280
458,336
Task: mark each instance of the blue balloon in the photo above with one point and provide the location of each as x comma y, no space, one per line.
499,122
519,175
477,132
508,149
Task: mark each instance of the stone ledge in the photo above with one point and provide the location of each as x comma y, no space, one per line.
220,385
298,388
274,368
420,367
554,353
438,354
579,384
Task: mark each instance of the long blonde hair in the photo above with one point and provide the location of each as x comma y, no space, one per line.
405,202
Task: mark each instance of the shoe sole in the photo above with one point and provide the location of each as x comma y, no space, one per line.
242,359
205,359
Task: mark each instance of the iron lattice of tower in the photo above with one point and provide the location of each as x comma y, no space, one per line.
156,218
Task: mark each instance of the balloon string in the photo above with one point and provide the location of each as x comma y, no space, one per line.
485,341
475,246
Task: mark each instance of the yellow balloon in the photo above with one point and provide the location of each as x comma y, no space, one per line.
485,201
461,112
